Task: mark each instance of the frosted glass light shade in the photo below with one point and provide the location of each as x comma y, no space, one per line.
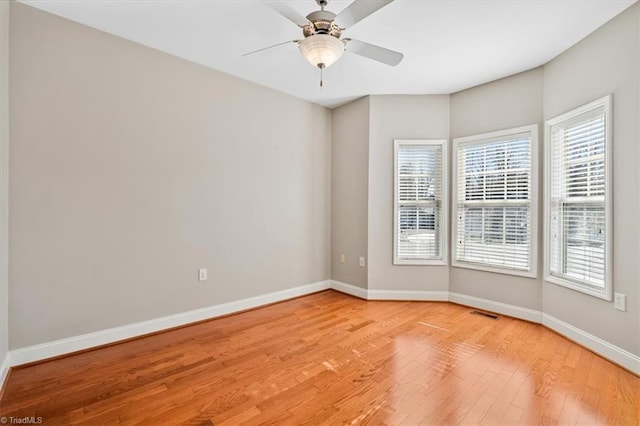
321,50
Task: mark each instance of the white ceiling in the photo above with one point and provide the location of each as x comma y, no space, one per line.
448,45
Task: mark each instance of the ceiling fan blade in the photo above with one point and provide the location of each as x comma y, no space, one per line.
358,10
371,51
288,13
270,47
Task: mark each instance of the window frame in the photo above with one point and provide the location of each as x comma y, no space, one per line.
478,139
607,291
442,143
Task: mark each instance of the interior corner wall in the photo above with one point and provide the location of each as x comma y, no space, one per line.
131,168
399,117
606,62
510,102
349,191
4,184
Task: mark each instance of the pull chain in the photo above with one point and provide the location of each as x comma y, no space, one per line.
322,67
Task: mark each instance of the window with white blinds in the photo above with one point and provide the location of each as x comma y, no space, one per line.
419,202
578,199
495,207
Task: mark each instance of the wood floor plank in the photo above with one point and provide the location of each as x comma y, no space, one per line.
329,358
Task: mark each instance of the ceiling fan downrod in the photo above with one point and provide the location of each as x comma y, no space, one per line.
322,4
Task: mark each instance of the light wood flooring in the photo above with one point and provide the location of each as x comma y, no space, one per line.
332,359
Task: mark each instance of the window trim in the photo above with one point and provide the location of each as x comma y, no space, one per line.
533,196
444,212
607,291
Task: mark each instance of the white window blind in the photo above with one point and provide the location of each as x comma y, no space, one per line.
419,231
577,233
495,201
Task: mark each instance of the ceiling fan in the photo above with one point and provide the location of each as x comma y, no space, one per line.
322,45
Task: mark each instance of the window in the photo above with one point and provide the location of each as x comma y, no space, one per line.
578,199
495,209
419,202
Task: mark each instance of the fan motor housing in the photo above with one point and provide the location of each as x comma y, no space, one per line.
321,22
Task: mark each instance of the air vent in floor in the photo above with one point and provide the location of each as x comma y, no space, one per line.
485,314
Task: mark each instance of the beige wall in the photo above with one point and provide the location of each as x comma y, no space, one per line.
349,191
510,102
130,169
606,62
4,180
399,117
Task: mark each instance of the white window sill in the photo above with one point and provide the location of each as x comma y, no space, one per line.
418,262
495,269
582,288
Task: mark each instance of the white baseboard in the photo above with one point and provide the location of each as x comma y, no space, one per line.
601,347
98,338
349,289
90,340
4,369
362,293
497,307
411,295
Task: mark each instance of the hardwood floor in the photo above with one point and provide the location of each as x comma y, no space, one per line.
333,359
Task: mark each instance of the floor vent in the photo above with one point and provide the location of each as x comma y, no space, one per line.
485,314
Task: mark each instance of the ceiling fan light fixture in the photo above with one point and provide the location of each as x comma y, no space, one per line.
321,50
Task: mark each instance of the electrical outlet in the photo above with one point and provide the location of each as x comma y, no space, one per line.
620,301
361,262
342,258
202,274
